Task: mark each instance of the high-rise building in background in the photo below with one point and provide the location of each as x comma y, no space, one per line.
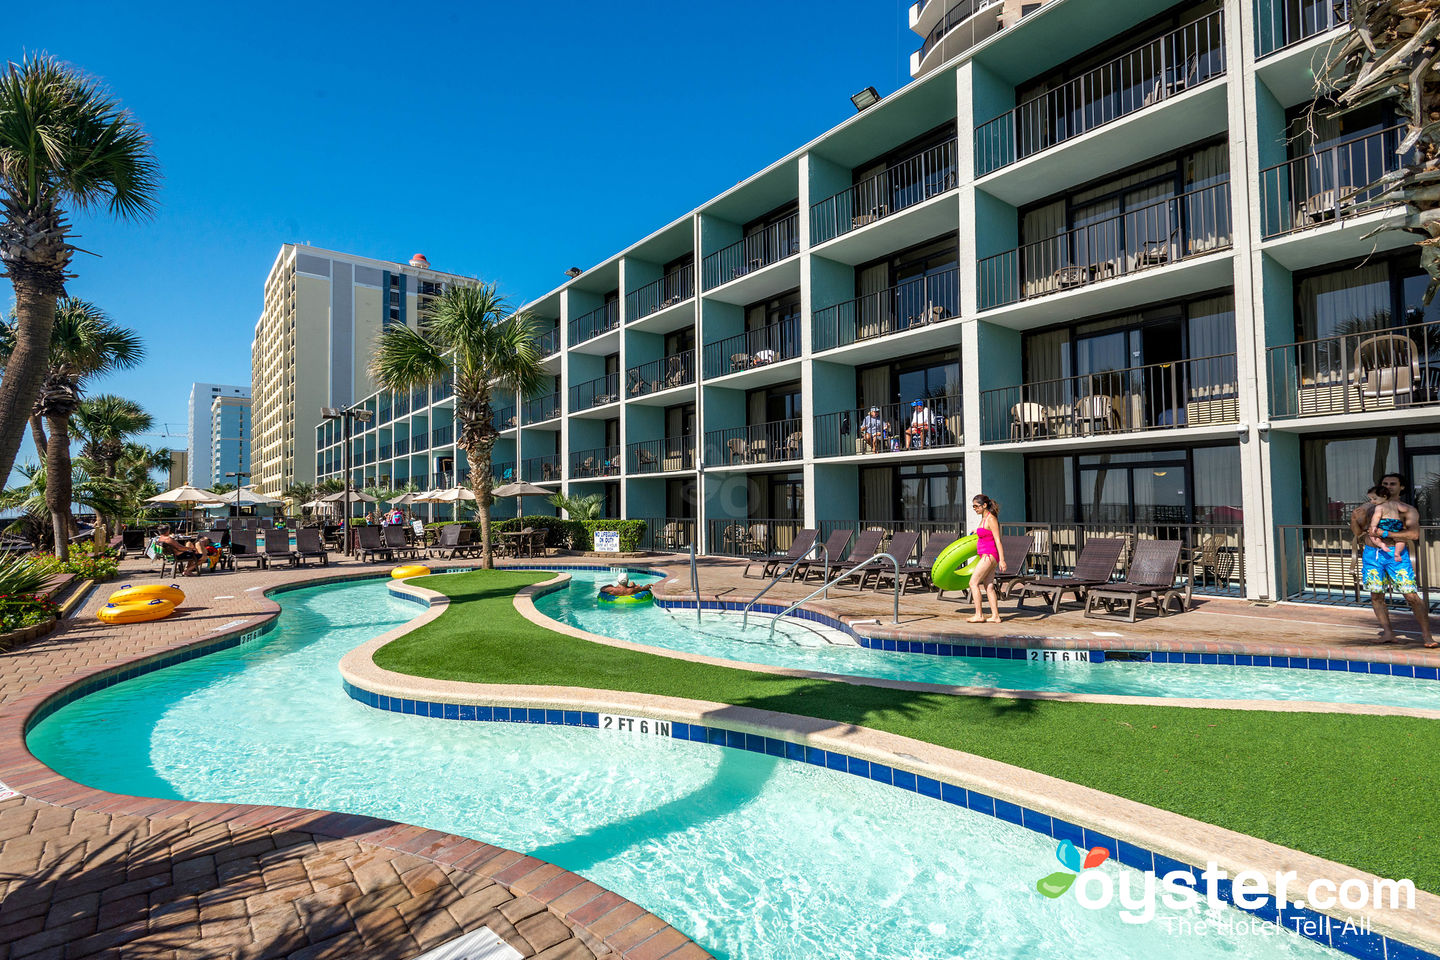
230,443
179,469
312,346
199,429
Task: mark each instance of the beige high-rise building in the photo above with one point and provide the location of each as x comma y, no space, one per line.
312,346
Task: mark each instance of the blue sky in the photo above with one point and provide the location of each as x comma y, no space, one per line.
504,140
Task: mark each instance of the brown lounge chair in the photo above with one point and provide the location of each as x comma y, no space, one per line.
902,545
920,573
372,545
1096,564
867,544
769,566
835,545
1017,557
1151,578
309,544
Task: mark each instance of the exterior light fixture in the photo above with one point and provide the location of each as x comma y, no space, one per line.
866,98
573,272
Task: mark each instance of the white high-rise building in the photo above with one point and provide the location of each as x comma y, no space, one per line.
200,431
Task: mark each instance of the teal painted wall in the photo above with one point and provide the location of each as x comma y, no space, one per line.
837,492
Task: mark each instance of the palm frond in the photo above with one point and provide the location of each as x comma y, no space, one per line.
405,359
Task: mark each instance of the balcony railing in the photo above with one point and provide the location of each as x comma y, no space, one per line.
385,449
440,436
893,426
1319,563
907,183
385,414
1202,391
1284,23
669,534
663,374
548,342
1164,67
1213,558
1144,238
753,348
599,462
595,393
752,537
660,456
1384,368
598,321
770,245
774,442
419,397
503,471
1330,184
402,404
402,446
540,469
540,409
420,441
669,290
505,418
958,14
442,390
914,303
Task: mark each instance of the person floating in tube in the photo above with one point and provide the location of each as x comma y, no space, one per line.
621,587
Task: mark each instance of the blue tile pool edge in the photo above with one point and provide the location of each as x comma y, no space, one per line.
1297,920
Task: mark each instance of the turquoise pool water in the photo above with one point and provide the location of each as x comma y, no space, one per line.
806,646
755,857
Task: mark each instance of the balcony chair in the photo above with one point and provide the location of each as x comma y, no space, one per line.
636,385
675,373
739,451
739,361
1027,421
1093,568
1387,370
1096,409
1150,579
643,458
670,536
794,443
1213,562
803,543
587,467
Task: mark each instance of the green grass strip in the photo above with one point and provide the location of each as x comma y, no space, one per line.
1359,790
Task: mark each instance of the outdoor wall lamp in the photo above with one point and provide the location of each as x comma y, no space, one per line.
866,98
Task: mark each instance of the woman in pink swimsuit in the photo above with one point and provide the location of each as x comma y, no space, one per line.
992,557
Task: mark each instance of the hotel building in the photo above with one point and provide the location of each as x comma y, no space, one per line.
322,313
200,428
1098,260
230,448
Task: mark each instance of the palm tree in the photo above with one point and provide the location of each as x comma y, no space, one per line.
471,330
64,143
328,486
100,494
590,507
105,424
83,343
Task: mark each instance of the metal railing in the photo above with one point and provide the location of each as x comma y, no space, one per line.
661,456
504,417
595,393
753,348
1213,559
1319,563
862,565
402,446
503,471
762,248
1383,368
420,441
1330,184
541,408
401,404
1162,68
440,436
753,537
824,553
774,442
911,181
673,288
385,414
548,342
914,303
666,373
1201,391
442,390
894,426
385,451
958,14
419,397
669,534
1150,236
597,462
541,469
591,325
1284,23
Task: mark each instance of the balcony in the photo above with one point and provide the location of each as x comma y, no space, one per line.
402,446
779,441
906,184
420,441
760,347
965,14
662,456
1161,69
1200,392
910,305
770,245
503,471
1383,368
442,436
752,537
669,290
595,393
1330,185
419,397
1280,24
504,417
385,451
385,414
893,428
548,343
591,464
402,405
667,373
540,409
1319,564
672,534
1155,235
594,323
541,469
443,390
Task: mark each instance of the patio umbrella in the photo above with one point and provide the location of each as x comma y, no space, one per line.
356,496
519,490
244,497
187,496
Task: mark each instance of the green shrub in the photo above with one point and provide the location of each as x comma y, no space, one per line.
90,561
631,533
560,534
18,611
24,575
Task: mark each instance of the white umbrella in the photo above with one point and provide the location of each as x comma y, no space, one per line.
356,496
453,495
427,496
316,505
520,490
245,497
186,495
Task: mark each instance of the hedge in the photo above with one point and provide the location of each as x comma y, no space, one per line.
563,534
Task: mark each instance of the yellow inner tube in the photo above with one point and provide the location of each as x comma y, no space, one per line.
410,570
137,612
138,592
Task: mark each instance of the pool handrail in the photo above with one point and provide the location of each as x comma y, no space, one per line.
846,574
745,620
695,581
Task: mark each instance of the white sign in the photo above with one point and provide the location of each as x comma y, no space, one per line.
644,725
1057,656
480,944
6,793
607,541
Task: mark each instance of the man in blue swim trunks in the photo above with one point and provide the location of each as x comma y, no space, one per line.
1385,568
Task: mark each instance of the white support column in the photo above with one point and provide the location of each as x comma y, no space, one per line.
969,258
623,477
807,367
566,311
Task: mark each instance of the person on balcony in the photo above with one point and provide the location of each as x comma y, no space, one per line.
922,430
874,431
1382,571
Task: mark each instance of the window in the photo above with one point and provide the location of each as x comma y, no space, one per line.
1145,487
1369,295
913,493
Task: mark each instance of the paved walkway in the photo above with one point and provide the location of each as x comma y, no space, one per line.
85,873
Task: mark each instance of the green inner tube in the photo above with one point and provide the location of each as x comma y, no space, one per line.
644,596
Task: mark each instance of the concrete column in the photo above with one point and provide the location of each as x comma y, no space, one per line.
807,371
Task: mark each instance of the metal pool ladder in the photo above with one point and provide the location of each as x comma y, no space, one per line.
879,556
745,620
695,581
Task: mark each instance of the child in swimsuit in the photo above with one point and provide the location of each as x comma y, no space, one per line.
1385,519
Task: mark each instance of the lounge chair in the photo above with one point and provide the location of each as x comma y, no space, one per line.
309,544
920,572
395,539
1150,579
372,545
867,544
450,545
803,543
1017,550
902,544
1093,568
835,545
277,547
243,548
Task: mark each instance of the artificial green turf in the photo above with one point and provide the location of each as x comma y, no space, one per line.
1360,790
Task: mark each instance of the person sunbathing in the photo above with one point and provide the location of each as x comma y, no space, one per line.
191,555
